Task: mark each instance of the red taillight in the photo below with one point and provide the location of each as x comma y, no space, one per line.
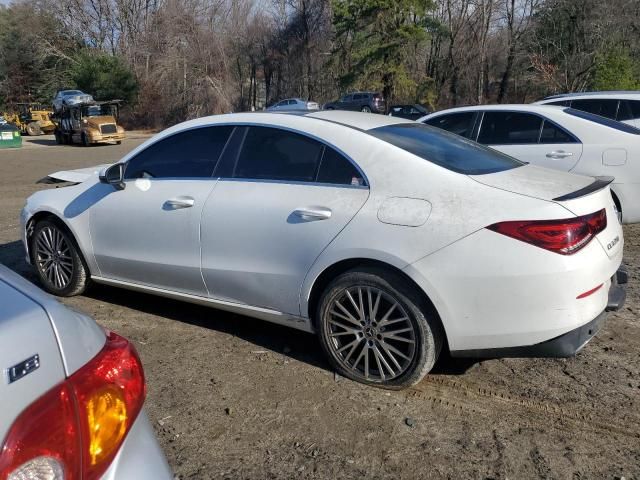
77,427
564,236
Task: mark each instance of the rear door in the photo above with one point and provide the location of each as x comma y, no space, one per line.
530,138
278,203
149,232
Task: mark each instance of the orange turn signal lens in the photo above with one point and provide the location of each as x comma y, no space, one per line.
107,421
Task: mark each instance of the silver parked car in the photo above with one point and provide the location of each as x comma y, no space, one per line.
72,394
70,97
293,104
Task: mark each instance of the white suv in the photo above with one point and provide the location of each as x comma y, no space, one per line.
621,106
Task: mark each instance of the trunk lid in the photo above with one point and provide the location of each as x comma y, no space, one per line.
578,194
536,182
29,354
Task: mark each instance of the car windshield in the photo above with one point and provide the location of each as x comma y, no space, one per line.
607,122
445,149
71,92
96,110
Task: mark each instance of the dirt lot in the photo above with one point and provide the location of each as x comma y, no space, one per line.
231,397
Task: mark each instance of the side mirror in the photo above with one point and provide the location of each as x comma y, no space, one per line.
113,175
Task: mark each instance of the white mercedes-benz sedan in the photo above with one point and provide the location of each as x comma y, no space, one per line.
389,238
556,137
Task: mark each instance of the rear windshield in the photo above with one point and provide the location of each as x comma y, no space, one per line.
445,149
607,122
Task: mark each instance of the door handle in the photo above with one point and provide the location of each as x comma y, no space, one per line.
313,213
179,202
559,154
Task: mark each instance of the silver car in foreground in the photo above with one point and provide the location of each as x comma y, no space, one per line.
71,395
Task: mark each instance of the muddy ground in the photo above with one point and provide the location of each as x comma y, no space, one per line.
231,397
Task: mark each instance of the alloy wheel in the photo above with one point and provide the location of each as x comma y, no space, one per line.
370,333
53,257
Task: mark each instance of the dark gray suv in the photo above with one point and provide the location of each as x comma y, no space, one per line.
360,102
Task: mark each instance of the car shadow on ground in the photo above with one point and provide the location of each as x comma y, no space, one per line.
49,142
293,343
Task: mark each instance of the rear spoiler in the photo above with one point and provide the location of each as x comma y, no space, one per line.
598,184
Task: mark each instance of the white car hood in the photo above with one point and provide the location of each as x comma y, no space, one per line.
533,181
76,176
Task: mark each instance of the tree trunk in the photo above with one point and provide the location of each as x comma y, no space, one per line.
506,75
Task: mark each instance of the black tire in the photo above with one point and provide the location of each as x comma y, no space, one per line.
70,267
118,142
59,139
85,140
330,108
421,338
366,109
33,129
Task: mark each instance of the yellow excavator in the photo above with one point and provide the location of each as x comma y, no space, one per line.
31,118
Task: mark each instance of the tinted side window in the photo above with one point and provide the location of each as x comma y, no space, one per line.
607,122
335,168
554,134
274,154
624,111
561,103
634,106
458,123
445,149
509,128
189,154
358,96
603,107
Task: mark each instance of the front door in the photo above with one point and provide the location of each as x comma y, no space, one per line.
149,232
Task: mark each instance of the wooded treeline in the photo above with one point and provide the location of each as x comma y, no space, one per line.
178,59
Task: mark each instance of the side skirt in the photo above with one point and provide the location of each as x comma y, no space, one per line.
266,314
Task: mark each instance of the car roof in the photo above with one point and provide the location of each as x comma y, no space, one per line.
603,94
513,107
357,120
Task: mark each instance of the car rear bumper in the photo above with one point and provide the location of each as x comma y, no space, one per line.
567,344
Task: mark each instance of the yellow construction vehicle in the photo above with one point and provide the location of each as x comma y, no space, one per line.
31,118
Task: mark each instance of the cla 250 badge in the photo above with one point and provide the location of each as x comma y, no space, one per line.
613,243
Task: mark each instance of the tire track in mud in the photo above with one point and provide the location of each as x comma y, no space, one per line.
454,395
